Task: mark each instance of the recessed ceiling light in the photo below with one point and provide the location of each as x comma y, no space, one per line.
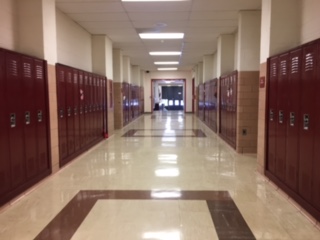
166,63
167,69
165,53
161,35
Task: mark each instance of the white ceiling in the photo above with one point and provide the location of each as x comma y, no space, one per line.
202,21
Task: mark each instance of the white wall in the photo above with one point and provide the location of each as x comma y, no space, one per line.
8,25
73,43
109,59
310,20
168,75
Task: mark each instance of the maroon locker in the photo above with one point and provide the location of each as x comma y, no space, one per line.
90,112
281,126
272,113
70,107
75,110
82,109
62,112
308,118
292,120
86,108
15,118
215,105
42,114
29,111
206,102
316,175
96,113
5,173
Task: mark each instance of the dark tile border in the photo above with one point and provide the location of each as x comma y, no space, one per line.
196,133
225,215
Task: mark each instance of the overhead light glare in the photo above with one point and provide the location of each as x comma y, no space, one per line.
166,63
167,69
165,53
161,35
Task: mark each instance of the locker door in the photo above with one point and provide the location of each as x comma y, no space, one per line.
15,119
76,110
29,111
308,118
292,120
5,173
70,107
62,111
42,114
272,113
316,159
215,105
82,109
86,108
90,113
281,127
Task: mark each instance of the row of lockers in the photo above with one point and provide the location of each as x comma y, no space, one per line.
82,110
132,102
208,103
24,130
208,106
228,108
293,124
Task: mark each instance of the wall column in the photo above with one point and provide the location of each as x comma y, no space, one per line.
248,54
102,64
117,88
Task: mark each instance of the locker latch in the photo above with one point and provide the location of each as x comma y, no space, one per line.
306,121
69,111
27,118
75,110
280,116
61,113
80,109
39,116
292,119
271,115
13,120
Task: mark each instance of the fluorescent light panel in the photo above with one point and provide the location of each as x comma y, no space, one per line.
165,53
166,63
167,69
161,35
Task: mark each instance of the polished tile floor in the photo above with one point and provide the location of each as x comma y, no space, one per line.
165,176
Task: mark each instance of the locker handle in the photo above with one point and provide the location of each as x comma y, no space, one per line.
292,119
80,110
27,117
39,116
75,110
271,115
61,113
306,121
69,111
280,116
13,121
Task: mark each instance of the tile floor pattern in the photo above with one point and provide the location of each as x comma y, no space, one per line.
158,165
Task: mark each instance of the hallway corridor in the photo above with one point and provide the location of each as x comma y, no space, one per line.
165,176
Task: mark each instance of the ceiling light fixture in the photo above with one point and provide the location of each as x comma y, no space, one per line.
166,63
165,53
167,69
161,35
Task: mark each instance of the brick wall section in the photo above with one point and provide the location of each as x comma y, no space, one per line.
110,108
53,106
118,112
247,112
262,122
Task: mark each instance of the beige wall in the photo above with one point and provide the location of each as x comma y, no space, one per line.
310,19
168,75
8,25
73,44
